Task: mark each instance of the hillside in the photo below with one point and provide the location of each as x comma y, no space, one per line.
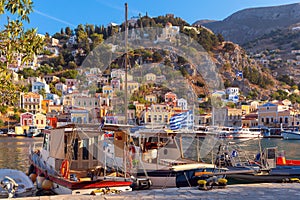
249,24
230,58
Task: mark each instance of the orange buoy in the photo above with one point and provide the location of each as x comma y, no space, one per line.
47,184
33,176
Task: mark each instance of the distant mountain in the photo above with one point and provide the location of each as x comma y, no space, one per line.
249,24
203,21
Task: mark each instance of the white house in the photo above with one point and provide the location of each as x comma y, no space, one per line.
61,87
233,94
168,33
117,73
182,103
37,86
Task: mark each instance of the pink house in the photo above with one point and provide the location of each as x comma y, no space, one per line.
26,119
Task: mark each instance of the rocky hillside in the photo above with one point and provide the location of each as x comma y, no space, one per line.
249,24
255,82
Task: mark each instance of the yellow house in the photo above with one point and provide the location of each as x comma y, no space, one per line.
132,86
271,114
150,77
107,90
246,109
55,108
40,121
158,114
45,105
139,107
151,98
234,117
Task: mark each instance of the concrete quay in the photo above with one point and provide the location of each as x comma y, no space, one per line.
266,191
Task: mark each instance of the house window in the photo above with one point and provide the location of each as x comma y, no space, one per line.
85,150
166,118
155,117
95,149
75,149
42,121
160,118
286,120
262,120
37,121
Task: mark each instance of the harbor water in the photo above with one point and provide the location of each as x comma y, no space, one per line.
14,150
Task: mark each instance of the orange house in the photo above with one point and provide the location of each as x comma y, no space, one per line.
171,99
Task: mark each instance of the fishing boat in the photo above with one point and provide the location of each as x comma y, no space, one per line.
70,159
15,183
261,169
155,154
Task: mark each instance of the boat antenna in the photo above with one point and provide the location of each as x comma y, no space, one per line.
126,60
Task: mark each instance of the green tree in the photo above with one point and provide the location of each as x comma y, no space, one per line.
15,41
68,31
21,7
42,92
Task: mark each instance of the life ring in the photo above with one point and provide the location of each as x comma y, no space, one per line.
64,169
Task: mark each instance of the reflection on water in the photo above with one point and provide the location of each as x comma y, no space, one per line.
14,152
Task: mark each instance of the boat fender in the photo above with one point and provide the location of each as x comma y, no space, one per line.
202,184
47,184
33,176
222,181
65,169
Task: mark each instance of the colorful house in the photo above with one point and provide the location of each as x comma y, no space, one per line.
45,105
107,90
52,121
171,99
151,98
158,114
38,86
26,119
79,115
31,102
40,121
271,114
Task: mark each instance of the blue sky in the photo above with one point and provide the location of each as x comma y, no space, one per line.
51,16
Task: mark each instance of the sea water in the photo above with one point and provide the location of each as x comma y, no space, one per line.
14,150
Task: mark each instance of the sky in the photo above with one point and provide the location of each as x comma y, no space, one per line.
51,16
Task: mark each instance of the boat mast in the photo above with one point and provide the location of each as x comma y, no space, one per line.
126,60
126,106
